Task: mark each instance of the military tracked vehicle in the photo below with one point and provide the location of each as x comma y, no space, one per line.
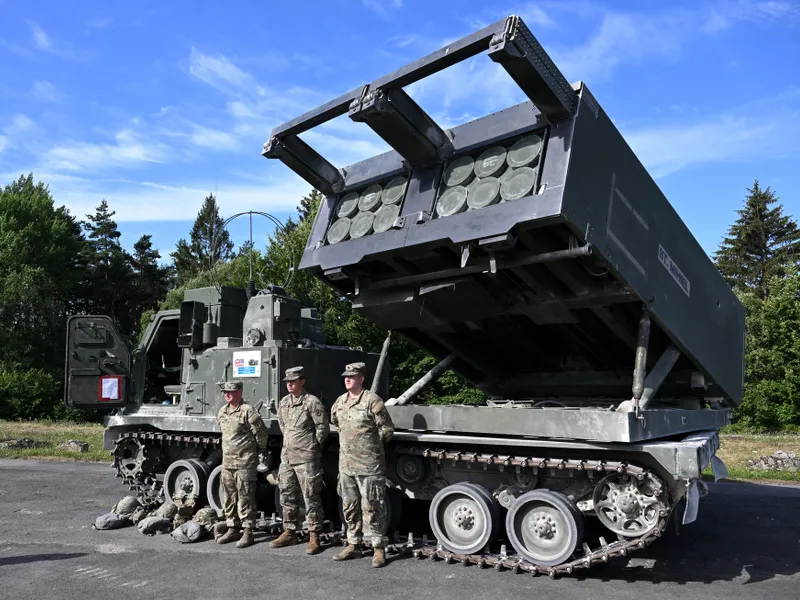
163,396
531,252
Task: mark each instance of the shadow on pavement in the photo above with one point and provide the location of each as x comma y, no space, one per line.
30,558
744,537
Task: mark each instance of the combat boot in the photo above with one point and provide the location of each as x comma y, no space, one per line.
351,551
287,538
313,543
379,558
230,536
247,539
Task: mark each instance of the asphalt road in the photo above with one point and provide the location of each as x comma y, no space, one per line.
745,544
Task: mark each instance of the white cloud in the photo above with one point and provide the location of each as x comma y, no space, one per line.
729,13
205,137
254,107
130,149
342,152
218,71
18,132
534,14
40,39
777,9
624,39
664,149
739,134
382,6
617,40
147,201
45,91
477,84
19,124
716,21
242,110
98,23
3,143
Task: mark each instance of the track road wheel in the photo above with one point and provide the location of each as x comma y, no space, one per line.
189,477
544,527
464,517
215,493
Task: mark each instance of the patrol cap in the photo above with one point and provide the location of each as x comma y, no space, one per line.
230,386
358,368
294,373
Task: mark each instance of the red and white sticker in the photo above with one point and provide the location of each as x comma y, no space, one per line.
109,388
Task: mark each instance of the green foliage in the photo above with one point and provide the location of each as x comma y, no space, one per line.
759,260
26,393
193,257
110,273
41,275
772,375
234,272
761,244
152,279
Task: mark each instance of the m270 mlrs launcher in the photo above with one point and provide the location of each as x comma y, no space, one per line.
531,252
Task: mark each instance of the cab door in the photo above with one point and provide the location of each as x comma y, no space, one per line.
98,364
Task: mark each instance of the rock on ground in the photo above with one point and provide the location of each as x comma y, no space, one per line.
779,461
20,443
74,446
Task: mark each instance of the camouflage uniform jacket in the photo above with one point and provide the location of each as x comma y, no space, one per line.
243,436
305,428
364,427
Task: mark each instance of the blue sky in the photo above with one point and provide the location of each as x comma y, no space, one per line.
152,105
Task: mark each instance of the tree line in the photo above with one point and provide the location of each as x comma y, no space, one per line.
53,264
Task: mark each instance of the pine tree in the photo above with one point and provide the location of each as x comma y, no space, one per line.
761,244
309,205
151,280
109,266
190,258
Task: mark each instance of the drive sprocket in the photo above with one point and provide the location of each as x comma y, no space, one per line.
129,458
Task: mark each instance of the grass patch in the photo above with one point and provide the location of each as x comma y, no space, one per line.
736,450
48,435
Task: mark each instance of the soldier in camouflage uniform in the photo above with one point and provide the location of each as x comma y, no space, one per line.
304,423
364,426
244,435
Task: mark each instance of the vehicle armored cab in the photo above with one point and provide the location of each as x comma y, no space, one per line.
531,252
163,396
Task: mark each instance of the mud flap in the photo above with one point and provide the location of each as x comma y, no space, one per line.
692,500
719,469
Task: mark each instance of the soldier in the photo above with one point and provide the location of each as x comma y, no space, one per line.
364,427
304,423
243,437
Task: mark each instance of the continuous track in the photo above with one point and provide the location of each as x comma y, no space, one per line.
149,487
146,485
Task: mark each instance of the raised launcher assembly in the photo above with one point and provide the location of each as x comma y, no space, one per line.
533,254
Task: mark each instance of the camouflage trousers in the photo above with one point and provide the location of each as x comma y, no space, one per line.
301,486
364,503
239,506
